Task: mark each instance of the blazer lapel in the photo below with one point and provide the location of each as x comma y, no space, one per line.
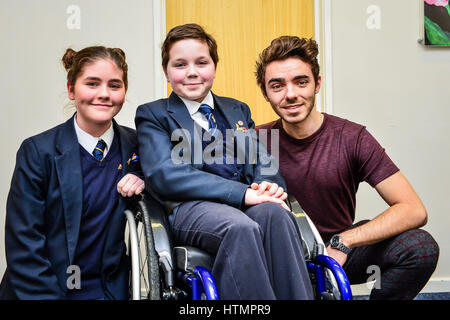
180,113
68,167
231,112
237,120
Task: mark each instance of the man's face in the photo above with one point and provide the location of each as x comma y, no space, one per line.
291,89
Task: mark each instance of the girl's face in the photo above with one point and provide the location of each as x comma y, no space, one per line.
190,69
99,94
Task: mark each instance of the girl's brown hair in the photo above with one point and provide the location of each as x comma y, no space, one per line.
74,62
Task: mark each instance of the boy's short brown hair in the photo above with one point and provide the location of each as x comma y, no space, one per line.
188,31
288,47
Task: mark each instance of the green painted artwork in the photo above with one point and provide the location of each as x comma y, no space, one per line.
437,22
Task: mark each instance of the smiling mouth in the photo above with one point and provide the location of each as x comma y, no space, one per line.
294,107
102,105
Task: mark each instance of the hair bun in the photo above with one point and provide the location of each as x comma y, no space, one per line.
120,52
67,59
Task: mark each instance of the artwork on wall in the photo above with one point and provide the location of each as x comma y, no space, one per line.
437,22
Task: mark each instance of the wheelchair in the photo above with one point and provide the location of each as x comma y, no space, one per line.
160,271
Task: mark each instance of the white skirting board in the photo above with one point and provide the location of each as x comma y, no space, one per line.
433,286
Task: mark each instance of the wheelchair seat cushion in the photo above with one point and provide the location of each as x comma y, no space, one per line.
187,258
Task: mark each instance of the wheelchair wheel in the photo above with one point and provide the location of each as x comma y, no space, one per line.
145,278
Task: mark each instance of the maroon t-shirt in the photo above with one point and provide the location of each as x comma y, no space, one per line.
323,171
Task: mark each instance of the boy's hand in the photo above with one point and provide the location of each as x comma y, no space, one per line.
130,185
269,189
253,198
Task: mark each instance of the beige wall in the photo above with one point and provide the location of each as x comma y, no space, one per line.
34,36
381,78
242,30
384,79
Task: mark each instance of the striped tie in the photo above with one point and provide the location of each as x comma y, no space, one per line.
207,112
99,150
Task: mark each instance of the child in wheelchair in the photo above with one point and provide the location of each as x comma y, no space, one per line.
167,272
233,210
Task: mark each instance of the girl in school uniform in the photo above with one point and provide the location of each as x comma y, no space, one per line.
65,226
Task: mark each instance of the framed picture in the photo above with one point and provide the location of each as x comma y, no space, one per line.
437,23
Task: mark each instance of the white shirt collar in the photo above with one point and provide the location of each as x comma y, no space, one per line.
88,142
193,106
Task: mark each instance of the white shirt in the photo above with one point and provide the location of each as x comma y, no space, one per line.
88,142
196,115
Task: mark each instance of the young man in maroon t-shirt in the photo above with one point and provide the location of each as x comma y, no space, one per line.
323,159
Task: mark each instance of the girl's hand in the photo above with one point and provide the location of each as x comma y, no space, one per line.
130,184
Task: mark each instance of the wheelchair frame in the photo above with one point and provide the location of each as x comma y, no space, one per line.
330,279
153,260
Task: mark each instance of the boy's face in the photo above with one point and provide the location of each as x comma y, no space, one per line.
190,69
291,89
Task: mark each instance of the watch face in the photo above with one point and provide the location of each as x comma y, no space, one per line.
335,241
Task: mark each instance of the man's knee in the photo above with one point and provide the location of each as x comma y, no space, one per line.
430,247
419,248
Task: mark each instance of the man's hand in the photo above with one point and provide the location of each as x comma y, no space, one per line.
337,255
252,198
130,185
269,189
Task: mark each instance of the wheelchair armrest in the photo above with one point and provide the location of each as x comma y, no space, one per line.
160,231
312,241
181,258
159,224
188,258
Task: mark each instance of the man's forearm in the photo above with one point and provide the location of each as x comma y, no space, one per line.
393,221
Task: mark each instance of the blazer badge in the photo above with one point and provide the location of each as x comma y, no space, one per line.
133,159
240,126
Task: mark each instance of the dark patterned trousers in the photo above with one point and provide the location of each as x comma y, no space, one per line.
404,264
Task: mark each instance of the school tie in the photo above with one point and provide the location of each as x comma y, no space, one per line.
207,112
99,150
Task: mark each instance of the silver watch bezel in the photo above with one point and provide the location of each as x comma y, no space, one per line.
340,245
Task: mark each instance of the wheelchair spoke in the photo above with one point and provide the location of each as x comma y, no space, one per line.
145,274
143,263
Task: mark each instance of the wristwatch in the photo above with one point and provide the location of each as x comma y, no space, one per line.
336,243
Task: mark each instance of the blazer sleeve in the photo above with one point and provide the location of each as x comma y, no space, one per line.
174,181
30,271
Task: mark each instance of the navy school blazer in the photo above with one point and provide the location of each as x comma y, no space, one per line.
43,217
175,182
